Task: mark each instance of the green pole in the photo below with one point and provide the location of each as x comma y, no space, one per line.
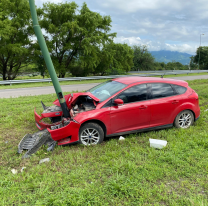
47,58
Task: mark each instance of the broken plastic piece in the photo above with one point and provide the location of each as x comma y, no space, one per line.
44,160
33,142
121,138
23,168
51,147
158,144
14,171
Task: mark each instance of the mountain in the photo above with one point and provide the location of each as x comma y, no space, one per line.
169,56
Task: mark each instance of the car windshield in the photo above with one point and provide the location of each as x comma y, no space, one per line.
107,89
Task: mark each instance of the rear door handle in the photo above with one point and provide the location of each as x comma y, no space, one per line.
175,101
142,107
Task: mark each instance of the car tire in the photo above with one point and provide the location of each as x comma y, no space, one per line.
91,134
184,119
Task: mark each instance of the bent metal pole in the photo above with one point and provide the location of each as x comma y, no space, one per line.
47,58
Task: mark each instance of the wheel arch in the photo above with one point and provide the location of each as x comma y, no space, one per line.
98,122
184,110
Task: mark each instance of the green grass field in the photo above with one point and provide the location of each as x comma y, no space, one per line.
113,173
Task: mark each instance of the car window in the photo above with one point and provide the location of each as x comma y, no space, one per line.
134,94
179,89
159,90
105,90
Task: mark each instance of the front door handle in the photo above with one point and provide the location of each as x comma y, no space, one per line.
142,107
175,101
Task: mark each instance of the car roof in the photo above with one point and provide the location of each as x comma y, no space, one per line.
135,79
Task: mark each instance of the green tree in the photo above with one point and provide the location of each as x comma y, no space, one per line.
115,59
203,61
175,66
15,45
193,65
143,60
74,34
159,66
41,66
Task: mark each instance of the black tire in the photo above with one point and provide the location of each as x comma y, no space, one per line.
184,119
91,134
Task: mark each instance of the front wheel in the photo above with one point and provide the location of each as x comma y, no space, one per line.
91,134
184,119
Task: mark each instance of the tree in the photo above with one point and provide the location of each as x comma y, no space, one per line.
175,66
115,59
193,65
143,60
15,45
41,66
203,61
74,34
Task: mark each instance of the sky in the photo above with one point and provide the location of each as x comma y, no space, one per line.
160,24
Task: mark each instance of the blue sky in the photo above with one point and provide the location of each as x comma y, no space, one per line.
159,24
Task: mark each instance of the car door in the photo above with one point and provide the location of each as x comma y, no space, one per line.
163,103
134,113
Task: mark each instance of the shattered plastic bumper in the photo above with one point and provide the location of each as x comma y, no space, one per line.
42,125
66,134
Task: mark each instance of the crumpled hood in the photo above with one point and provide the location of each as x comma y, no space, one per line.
71,98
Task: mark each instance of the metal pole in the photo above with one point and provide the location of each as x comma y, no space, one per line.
47,59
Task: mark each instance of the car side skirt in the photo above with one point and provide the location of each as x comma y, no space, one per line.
141,130
197,118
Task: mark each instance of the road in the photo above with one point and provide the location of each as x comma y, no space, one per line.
7,93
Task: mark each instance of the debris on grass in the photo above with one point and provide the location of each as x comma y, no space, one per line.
23,168
44,160
158,144
14,171
121,138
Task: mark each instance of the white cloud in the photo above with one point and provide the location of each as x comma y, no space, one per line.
162,24
156,46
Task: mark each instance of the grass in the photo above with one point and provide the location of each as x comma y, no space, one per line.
181,75
44,84
114,173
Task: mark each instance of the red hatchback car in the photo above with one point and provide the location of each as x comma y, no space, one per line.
122,106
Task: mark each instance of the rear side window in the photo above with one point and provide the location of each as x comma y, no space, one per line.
134,94
160,90
179,89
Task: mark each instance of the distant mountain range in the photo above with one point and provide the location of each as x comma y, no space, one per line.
169,56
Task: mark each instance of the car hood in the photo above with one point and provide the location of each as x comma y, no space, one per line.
71,98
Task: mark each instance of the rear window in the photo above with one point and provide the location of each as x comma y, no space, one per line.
160,90
179,89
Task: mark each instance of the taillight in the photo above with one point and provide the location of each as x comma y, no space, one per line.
193,95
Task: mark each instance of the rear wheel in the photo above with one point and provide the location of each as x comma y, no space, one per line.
91,134
184,119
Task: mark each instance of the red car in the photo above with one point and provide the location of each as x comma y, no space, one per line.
121,106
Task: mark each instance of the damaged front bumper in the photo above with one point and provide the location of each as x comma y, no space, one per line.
61,130
64,132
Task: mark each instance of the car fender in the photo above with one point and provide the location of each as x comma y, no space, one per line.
184,106
102,115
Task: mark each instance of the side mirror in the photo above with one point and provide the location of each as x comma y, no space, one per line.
118,102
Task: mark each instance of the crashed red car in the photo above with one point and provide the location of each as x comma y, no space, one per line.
121,106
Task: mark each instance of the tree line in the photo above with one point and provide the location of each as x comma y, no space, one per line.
79,41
